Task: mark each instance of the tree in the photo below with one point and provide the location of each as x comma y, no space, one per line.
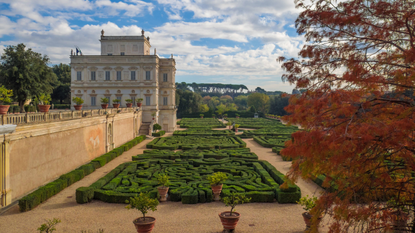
260,90
260,101
277,105
241,101
203,108
26,73
189,102
357,111
220,109
232,107
62,90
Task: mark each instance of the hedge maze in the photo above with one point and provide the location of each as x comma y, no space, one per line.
188,171
256,123
203,132
200,123
283,131
196,142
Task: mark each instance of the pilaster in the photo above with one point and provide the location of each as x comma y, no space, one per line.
6,193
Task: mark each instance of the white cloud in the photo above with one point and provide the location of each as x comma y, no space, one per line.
44,26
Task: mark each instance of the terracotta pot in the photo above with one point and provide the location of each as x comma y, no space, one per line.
237,117
4,109
307,219
216,189
144,226
229,221
139,104
163,192
201,117
78,107
104,106
116,105
129,105
44,108
236,130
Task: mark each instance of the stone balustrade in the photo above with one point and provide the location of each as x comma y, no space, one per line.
33,118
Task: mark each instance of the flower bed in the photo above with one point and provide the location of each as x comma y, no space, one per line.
188,171
200,122
196,142
203,132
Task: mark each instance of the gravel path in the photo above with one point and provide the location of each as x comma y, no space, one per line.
171,216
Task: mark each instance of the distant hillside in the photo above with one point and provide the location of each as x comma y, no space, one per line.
218,89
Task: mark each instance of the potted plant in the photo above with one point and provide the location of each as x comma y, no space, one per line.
143,203
164,181
129,103
237,115
156,127
139,100
153,115
213,115
201,115
78,102
308,203
44,101
5,100
229,124
236,126
116,103
225,115
104,103
229,219
216,180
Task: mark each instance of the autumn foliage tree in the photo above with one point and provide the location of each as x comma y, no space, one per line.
358,111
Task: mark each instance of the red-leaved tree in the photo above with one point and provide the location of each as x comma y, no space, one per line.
358,112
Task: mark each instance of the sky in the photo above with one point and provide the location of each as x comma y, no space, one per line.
213,41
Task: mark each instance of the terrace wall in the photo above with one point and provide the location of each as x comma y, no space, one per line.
36,154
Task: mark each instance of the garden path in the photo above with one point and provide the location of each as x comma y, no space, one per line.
171,217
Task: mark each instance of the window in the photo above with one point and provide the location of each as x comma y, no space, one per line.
133,99
118,75
147,100
164,77
119,98
79,75
148,75
93,101
93,77
107,75
132,75
109,54
122,53
165,102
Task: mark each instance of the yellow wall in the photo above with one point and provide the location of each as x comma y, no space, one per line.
40,153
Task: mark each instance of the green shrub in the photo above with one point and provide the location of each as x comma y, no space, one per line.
40,195
159,133
84,195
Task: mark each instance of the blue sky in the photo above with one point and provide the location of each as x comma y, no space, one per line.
212,41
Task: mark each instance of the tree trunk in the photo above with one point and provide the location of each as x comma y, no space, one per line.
21,105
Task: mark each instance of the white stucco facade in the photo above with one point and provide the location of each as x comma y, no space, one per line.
126,70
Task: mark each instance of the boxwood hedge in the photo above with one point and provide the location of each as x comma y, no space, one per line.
188,171
43,193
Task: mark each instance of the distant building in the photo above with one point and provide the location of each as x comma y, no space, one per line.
126,70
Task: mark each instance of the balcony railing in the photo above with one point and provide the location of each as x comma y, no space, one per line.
33,118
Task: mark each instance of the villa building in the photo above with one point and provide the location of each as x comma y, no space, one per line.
126,70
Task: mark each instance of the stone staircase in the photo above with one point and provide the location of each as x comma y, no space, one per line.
144,129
